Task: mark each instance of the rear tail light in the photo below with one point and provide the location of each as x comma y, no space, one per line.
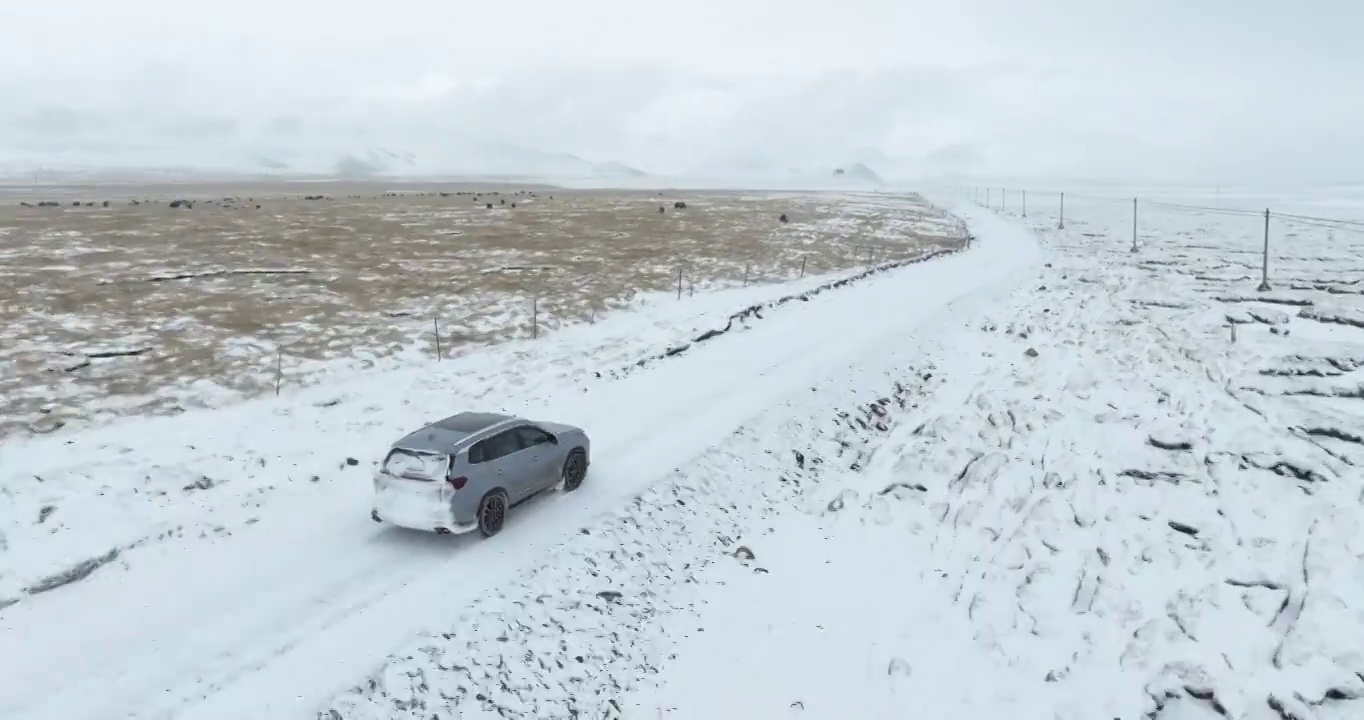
458,483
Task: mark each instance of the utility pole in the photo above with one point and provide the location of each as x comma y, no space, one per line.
1062,224
1025,203
1264,267
1134,224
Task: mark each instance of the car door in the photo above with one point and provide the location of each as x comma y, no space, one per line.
503,459
539,448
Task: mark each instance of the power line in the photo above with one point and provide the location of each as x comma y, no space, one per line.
1345,225
1314,222
1202,208
1356,223
1105,198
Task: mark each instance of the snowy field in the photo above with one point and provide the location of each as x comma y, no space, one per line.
1044,478
143,308
1145,519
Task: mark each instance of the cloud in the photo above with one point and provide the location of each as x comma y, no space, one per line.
1213,92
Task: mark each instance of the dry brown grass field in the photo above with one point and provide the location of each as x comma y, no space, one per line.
138,307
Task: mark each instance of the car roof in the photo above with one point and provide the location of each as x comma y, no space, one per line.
448,435
471,422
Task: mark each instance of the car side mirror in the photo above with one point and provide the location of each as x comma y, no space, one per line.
553,439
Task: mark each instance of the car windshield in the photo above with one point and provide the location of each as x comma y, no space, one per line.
416,465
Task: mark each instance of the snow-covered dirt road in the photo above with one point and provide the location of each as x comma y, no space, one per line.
256,608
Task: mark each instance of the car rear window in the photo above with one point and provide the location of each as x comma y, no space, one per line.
416,465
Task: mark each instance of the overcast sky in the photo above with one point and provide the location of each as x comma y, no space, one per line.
1204,91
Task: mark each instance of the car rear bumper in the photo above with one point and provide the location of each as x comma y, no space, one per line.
417,517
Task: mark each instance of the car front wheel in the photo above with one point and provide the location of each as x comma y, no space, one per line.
575,470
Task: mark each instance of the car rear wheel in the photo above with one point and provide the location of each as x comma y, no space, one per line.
575,470
492,513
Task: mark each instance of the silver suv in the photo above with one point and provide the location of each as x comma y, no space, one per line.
464,472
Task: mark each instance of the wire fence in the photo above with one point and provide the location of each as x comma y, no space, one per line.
544,309
998,198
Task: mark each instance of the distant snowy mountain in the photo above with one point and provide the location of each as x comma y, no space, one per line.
618,170
342,156
468,159
761,172
858,172
324,158
374,162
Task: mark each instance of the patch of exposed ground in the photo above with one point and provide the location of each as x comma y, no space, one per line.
139,307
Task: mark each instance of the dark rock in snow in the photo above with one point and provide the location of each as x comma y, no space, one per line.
1168,443
78,572
902,486
203,483
1171,477
1189,530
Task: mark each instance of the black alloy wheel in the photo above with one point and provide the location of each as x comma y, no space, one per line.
492,513
575,470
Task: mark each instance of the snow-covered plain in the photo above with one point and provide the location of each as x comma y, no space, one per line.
1034,480
1146,519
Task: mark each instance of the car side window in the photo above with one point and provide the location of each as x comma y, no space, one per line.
532,436
500,445
478,452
